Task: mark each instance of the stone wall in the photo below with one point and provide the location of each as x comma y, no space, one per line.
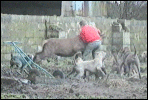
29,30
138,35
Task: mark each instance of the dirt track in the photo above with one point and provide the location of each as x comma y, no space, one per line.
113,88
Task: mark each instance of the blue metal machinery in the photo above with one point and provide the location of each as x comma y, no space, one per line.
18,50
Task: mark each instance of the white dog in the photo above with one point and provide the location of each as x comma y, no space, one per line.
93,66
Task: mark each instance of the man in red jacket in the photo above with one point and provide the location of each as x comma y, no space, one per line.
91,36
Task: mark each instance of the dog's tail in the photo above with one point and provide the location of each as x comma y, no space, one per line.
76,55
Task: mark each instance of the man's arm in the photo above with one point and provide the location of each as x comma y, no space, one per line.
100,33
82,35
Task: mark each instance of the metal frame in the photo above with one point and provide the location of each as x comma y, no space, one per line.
22,53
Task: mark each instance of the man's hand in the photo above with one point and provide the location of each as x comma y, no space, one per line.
102,35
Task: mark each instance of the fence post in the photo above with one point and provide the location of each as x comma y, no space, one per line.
120,38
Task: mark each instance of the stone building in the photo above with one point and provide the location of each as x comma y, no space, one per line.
50,8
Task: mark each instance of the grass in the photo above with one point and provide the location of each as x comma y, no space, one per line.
13,96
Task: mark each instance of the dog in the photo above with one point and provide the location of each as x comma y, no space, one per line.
57,73
93,66
129,60
32,75
77,60
124,52
19,61
143,56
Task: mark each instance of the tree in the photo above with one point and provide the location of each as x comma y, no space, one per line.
128,9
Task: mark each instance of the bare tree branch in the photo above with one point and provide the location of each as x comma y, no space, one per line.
128,9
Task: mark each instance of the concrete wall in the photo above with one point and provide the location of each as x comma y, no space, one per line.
29,30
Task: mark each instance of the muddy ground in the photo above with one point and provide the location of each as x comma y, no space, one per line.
114,87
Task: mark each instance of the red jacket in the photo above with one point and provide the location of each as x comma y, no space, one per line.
89,34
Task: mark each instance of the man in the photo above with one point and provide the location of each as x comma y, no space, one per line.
91,36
